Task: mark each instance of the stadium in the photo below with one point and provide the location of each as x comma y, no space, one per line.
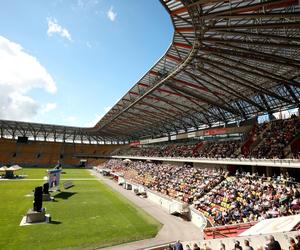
201,153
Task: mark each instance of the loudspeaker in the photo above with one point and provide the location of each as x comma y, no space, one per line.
38,199
22,139
46,188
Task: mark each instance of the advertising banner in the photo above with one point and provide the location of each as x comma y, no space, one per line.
54,178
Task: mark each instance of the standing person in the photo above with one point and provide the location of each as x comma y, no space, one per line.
58,165
188,247
170,247
196,247
223,247
247,245
273,244
237,246
205,247
178,245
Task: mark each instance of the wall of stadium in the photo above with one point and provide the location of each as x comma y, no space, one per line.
171,206
40,153
198,218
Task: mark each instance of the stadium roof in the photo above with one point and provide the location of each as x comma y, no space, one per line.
228,61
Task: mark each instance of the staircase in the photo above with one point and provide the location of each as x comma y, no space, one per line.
259,139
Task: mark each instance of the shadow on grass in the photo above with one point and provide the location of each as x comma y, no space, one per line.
55,222
64,195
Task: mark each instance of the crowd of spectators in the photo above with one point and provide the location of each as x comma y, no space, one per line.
246,198
275,137
270,244
270,141
222,198
220,149
167,150
184,183
226,149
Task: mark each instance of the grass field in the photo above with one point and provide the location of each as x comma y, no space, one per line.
87,216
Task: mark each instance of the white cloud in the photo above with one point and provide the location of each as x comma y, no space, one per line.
55,28
48,107
111,15
15,106
20,72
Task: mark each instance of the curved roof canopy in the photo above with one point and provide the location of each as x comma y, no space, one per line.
229,60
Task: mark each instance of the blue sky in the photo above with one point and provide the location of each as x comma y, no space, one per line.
68,61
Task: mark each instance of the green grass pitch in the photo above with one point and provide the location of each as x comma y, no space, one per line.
87,216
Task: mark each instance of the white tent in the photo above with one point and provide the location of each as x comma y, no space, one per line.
3,169
15,168
276,225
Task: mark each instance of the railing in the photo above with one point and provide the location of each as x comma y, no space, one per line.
226,230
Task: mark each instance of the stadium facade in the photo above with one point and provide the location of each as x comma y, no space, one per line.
228,63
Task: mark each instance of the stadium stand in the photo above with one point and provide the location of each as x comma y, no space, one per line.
277,139
244,199
184,183
39,153
229,64
223,199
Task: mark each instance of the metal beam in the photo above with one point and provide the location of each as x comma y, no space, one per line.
266,74
246,83
207,100
225,87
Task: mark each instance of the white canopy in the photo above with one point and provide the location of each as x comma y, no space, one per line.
15,168
276,225
12,168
